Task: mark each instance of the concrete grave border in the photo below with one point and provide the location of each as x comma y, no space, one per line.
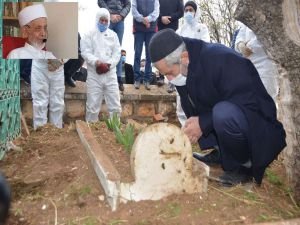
181,174
108,175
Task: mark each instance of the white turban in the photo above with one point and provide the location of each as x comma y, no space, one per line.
30,13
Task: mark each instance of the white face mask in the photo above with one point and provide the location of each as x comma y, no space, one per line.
179,80
189,17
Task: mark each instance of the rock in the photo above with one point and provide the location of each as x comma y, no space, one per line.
101,198
158,117
137,125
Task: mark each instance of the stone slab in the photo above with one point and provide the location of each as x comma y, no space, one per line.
286,222
108,175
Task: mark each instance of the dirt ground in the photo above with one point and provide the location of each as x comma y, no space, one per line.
53,182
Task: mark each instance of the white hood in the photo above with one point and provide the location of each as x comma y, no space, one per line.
102,12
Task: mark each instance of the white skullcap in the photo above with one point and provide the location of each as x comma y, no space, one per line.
30,13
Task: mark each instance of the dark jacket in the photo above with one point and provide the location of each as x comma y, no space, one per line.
173,8
145,7
217,73
120,7
129,75
25,69
73,65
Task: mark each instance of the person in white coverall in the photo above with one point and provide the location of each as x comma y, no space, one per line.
101,50
191,28
248,45
47,74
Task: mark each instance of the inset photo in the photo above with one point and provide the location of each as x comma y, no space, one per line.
35,30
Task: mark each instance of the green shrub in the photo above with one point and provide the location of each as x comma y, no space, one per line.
113,122
126,137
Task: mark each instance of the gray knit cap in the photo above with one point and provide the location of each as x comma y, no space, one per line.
163,43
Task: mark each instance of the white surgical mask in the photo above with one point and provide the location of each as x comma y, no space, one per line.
189,17
179,80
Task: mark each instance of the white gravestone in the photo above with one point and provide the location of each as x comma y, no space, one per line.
162,164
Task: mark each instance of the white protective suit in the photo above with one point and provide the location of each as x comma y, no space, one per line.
47,88
105,47
194,30
265,66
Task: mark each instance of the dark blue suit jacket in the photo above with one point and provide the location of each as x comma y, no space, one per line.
217,73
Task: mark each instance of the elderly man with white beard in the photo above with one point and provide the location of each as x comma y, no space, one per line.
47,73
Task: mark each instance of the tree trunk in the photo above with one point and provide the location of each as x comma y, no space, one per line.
276,24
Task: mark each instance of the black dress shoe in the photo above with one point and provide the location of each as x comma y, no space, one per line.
80,75
211,158
171,88
160,83
232,178
70,82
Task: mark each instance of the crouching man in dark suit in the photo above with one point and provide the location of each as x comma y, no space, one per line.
227,105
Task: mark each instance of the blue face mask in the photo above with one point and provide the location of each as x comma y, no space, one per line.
102,27
189,17
123,58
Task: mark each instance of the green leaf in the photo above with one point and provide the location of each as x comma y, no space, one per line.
113,122
126,138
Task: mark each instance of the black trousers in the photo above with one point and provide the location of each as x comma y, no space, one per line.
230,135
72,66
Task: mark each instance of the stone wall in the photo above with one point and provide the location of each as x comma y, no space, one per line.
277,26
137,104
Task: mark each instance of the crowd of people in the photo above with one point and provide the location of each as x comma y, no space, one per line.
225,101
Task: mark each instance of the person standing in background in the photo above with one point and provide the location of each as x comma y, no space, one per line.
192,29
118,10
127,69
72,66
170,13
145,14
249,46
101,50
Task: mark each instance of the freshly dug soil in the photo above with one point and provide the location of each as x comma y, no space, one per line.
114,150
53,176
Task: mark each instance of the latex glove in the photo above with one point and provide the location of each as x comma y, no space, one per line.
102,68
166,20
54,64
192,129
244,49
